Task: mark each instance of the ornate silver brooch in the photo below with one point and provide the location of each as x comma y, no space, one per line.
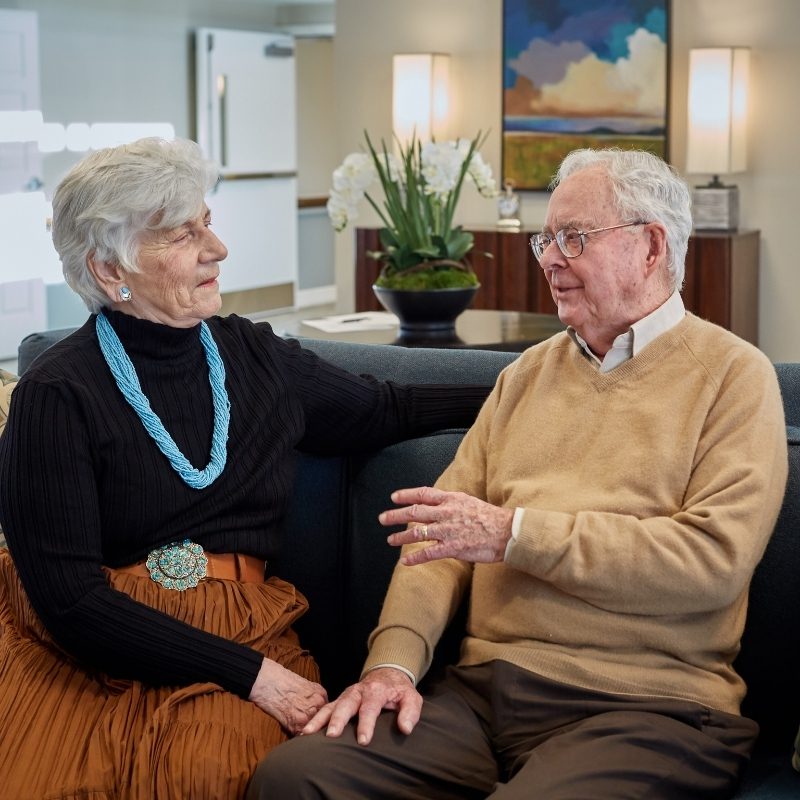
179,566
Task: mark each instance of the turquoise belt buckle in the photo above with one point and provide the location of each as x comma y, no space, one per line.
179,566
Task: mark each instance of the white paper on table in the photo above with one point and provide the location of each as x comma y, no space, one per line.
363,321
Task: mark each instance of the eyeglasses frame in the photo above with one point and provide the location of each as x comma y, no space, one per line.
558,235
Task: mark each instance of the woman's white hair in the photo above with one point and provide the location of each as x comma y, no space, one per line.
110,198
646,188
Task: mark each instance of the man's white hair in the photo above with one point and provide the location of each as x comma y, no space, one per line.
645,188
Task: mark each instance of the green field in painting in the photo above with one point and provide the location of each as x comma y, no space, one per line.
530,159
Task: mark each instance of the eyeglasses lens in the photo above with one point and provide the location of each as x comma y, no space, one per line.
569,241
539,243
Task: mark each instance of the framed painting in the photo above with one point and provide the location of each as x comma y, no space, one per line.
581,73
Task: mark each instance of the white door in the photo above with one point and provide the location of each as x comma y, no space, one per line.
246,100
19,91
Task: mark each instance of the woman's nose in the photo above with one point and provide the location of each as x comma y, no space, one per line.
214,249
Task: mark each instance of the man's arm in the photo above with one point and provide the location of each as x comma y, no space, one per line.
698,557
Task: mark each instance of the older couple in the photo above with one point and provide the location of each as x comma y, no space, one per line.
604,514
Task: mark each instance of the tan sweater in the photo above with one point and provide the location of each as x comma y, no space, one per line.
649,494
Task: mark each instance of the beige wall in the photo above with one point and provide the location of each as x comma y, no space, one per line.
316,148
368,32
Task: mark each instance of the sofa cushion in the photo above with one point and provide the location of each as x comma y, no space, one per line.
770,649
789,380
7,383
335,551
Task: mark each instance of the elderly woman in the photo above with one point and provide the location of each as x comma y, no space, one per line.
144,470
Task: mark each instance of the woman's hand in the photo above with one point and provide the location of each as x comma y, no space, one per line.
457,525
381,688
288,697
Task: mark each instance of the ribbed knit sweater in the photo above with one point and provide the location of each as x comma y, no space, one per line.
649,493
82,485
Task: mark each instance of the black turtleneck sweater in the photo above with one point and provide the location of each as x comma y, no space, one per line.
83,485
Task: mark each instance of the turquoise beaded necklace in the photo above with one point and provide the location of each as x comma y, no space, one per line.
128,383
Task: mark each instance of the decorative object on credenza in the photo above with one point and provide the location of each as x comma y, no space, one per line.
508,208
588,74
422,251
431,311
717,131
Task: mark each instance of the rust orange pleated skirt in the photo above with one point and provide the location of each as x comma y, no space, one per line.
66,732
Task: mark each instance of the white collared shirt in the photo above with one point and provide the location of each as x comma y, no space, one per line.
638,336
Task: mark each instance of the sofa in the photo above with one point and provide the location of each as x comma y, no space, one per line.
336,553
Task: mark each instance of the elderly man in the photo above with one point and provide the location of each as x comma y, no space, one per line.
605,513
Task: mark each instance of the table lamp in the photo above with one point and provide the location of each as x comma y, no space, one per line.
420,96
716,141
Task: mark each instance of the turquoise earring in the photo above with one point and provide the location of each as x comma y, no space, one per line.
124,294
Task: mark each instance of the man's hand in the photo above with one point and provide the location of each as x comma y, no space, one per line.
457,524
288,697
382,688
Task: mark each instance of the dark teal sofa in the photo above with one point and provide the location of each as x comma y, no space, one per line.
336,552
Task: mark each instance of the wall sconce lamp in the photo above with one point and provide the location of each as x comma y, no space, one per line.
717,141
420,96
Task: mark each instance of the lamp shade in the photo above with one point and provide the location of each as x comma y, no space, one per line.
420,96
718,85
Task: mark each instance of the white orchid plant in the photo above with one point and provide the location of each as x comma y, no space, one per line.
421,187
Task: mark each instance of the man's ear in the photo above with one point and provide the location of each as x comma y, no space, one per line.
108,275
657,247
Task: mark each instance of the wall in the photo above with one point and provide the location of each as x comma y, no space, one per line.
368,33
112,61
315,111
317,156
119,61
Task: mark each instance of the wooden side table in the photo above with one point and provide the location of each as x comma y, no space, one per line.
722,280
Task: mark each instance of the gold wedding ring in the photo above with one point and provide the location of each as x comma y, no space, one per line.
424,529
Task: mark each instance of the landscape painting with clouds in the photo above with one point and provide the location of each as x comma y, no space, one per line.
581,73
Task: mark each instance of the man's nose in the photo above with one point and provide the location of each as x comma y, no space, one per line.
552,257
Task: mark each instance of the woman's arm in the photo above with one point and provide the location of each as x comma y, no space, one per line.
50,512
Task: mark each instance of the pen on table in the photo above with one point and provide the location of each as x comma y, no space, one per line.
353,319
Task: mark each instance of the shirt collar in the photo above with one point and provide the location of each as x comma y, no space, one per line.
638,336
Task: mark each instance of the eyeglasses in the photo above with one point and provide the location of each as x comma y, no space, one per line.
570,241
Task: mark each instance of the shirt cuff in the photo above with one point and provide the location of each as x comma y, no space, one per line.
516,525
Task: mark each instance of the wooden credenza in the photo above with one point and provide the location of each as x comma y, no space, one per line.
721,276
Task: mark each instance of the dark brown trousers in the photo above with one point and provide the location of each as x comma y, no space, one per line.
499,731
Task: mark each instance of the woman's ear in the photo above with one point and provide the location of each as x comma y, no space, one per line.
108,276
